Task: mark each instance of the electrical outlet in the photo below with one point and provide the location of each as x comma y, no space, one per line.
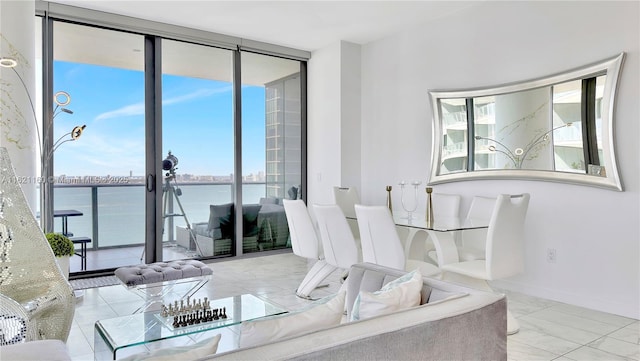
551,255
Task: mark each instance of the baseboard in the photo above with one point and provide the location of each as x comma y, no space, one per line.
593,302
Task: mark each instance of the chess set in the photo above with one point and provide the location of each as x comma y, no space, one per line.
198,312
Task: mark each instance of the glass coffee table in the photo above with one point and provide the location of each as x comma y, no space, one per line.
114,334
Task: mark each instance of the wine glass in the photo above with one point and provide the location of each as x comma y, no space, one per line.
411,203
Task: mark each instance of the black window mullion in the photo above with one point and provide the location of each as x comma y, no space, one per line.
303,128
153,140
46,193
588,113
471,131
237,142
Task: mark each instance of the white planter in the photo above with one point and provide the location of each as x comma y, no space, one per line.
63,263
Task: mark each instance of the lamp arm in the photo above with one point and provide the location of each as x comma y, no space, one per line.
515,164
56,144
33,110
541,139
530,147
511,155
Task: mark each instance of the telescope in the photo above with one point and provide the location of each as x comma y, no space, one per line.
170,162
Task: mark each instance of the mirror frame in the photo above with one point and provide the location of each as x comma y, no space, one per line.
611,67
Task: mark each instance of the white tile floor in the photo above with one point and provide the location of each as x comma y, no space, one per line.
549,330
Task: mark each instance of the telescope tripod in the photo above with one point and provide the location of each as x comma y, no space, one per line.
169,194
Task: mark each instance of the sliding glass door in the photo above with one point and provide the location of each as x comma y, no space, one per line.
97,138
161,149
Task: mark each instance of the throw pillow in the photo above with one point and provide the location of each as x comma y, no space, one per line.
221,219
184,353
250,219
321,314
396,295
293,193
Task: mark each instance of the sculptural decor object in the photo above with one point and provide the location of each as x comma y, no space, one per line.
558,128
36,300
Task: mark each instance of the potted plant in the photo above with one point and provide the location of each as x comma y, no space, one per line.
62,248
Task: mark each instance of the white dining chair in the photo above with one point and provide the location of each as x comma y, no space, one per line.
346,198
472,243
339,246
381,244
504,255
304,243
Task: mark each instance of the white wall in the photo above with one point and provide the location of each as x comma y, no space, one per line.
350,140
333,120
594,231
323,124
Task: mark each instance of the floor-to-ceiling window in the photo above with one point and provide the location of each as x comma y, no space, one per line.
197,139
271,148
212,154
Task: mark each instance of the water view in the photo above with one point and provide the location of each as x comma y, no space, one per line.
121,209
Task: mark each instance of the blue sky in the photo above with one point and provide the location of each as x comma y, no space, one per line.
197,123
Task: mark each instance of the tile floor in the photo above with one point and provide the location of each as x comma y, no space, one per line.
549,330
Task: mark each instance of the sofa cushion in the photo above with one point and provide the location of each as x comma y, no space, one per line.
396,295
183,353
270,200
321,314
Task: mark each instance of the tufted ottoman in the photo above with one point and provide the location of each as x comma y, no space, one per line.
154,281
161,272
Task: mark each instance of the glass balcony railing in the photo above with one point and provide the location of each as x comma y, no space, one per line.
114,215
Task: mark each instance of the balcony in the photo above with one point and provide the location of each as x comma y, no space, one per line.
113,216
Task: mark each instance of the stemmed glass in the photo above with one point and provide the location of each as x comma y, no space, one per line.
409,206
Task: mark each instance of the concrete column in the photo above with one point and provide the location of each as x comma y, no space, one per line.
18,128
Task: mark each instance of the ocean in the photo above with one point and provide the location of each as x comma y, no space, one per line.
121,210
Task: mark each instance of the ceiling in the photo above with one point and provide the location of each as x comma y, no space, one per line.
304,25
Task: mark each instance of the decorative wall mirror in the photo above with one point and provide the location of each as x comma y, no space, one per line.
558,128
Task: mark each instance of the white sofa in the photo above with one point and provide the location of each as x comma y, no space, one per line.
471,327
453,323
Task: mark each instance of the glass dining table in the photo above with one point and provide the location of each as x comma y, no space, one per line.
440,224
442,235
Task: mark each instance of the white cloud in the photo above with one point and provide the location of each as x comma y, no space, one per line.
201,93
138,108
129,110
